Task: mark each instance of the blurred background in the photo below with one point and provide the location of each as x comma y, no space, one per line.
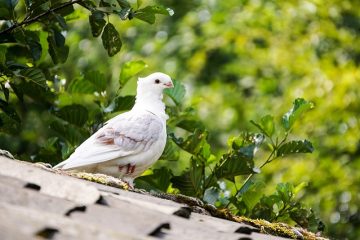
240,60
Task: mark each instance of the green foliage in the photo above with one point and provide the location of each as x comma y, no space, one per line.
147,14
176,93
284,205
111,40
300,106
295,147
57,48
130,69
75,114
266,125
97,22
159,180
34,75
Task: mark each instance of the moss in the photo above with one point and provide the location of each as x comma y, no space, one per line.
278,229
101,178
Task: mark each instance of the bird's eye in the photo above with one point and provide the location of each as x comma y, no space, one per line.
157,81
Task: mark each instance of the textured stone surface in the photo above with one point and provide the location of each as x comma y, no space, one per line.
51,184
40,204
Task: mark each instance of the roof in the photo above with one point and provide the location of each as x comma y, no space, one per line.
37,203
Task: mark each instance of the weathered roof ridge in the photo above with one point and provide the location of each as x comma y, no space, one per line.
40,202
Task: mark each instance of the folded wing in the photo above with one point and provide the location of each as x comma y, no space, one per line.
126,134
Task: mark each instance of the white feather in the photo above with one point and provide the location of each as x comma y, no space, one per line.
137,137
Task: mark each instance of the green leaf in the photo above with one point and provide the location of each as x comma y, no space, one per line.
124,3
239,161
97,79
34,4
191,125
139,3
35,49
31,40
190,182
5,91
195,144
266,126
171,151
10,4
285,191
41,94
130,69
253,194
301,146
159,180
93,81
8,124
125,13
70,133
18,91
34,75
111,40
123,103
80,85
246,186
57,48
90,4
61,21
64,11
176,93
265,208
9,110
75,114
97,23
234,164
4,13
6,9
3,50
300,106
267,122
147,14
299,187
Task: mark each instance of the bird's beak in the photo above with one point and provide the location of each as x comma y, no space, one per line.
169,85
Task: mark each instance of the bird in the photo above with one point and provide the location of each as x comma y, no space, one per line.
132,141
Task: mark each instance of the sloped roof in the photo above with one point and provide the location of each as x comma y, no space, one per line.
35,203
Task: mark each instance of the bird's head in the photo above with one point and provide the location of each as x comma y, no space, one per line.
155,82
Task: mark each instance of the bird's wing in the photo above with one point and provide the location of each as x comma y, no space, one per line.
127,134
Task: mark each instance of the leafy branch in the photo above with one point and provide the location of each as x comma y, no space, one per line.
28,20
266,126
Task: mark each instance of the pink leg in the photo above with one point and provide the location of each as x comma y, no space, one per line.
129,168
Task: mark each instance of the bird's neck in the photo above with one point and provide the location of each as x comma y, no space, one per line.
152,103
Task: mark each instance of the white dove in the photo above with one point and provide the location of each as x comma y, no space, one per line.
132,141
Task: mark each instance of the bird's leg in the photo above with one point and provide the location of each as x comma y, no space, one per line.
129,168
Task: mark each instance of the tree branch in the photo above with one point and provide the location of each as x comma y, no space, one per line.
36,18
